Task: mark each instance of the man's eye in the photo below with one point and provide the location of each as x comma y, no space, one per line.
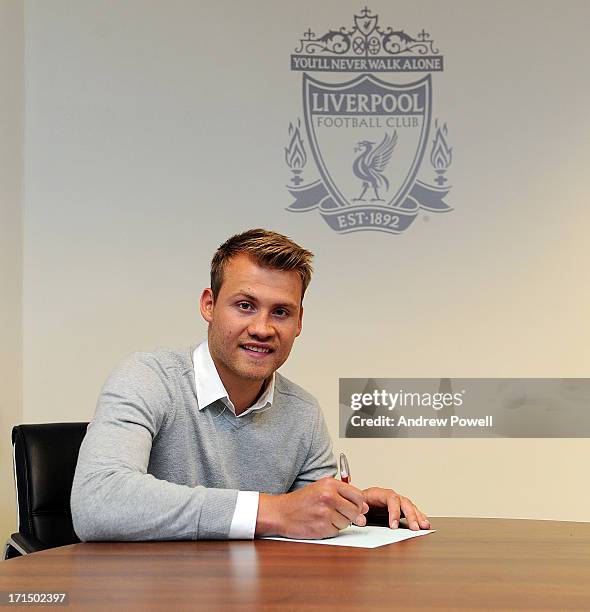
281,312
244,306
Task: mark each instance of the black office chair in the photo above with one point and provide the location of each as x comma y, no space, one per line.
45,458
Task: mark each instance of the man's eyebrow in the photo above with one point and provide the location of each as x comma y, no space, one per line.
251,298
243,294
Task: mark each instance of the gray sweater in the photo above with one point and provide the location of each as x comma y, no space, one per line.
154,467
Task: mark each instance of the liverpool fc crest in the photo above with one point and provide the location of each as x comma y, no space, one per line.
368,137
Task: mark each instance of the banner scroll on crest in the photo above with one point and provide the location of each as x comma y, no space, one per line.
393,220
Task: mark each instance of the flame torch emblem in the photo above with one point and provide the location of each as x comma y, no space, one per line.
295,155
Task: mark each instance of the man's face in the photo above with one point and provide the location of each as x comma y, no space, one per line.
254,320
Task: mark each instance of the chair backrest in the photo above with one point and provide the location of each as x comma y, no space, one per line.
45,457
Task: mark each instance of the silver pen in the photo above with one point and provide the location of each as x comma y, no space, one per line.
344,469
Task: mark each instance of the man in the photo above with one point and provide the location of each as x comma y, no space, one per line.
212,442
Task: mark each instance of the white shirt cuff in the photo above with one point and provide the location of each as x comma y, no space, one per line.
243,523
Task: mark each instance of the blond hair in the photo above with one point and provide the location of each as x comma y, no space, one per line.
269,249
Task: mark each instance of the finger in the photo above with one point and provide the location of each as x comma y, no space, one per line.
360,520
352,494
347,509
393,508
340,521
329,533
423,519
376,497
410,513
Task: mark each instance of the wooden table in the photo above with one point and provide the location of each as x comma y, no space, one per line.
467,564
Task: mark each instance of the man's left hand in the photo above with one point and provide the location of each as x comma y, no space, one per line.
396,504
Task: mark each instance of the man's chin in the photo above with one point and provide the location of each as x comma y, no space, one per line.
257,372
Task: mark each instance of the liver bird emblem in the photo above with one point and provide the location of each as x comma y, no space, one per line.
371,163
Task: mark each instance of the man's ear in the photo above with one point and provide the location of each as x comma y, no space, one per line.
207,305
300,322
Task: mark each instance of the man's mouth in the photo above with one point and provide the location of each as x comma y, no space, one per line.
260,350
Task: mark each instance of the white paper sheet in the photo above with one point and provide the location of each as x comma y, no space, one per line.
364,537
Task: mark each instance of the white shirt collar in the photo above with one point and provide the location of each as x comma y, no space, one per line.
209,387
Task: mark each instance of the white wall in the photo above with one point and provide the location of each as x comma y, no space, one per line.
11,177
155,130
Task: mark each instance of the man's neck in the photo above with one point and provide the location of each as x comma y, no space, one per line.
245,398
242,394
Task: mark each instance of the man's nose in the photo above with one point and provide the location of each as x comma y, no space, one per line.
261,326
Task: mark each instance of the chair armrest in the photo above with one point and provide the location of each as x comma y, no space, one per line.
25,545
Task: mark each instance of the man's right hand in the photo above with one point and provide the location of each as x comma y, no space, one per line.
317,511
